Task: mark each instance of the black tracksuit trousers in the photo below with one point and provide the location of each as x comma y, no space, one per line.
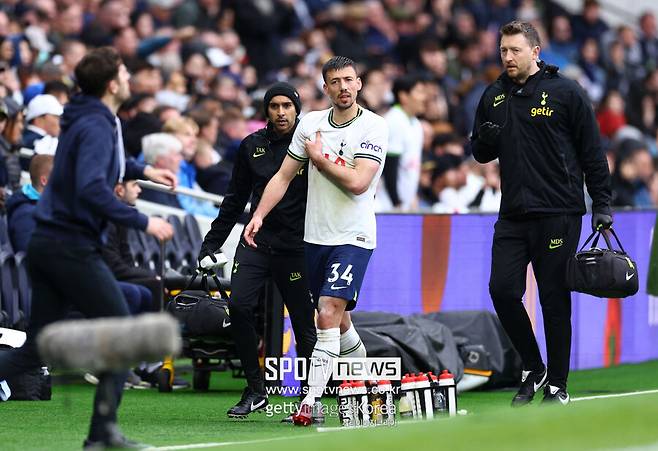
546,242
65,276
251,269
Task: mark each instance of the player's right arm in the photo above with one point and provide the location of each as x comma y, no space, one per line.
274,191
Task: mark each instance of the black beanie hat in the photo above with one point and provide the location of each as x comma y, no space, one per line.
282,89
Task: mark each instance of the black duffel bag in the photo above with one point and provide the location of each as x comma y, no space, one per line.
199,312
605,273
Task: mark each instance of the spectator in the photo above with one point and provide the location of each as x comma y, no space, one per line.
611,115
162,151
562,42
42,117
589,24
186,130
649,39
21,204
10,142
119,259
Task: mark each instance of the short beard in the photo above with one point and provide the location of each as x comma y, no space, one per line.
343,108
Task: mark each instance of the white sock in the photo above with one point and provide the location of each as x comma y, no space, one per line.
327,347
351,344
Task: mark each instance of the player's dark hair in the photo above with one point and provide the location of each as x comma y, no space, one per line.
525,28
95,71
405,83
337,63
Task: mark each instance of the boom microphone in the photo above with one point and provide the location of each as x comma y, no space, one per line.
104,344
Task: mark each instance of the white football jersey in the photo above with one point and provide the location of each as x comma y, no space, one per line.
335,216
407,143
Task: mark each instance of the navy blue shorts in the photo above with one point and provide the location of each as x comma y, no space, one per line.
336,271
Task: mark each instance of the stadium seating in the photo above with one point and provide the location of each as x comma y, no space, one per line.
5,244
9,289
24,290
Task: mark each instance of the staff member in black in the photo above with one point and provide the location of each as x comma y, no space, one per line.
280,252
541,127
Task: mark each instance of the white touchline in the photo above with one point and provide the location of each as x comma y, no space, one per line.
614,395
212,445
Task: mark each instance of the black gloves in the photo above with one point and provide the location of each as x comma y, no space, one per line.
489,133
203,253
601,221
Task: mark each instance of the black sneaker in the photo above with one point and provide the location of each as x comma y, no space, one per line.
250,402
531,383
114,439
555,395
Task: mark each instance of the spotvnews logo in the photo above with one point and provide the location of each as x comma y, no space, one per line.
352,368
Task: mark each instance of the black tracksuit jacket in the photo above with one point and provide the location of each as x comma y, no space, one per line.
259,157
549,139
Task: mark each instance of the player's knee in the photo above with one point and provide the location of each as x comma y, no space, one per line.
329,317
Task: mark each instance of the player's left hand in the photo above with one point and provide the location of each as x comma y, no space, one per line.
314,148
601,221
164,176
252,229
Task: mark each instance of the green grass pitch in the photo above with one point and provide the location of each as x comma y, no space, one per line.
185,418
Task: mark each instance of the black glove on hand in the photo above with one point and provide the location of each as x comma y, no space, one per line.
489,133
601,221
203,253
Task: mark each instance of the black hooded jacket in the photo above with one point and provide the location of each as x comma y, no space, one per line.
259,157
548,145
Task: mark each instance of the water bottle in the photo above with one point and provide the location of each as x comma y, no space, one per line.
407,389
449,389
424,394
388,408
345,410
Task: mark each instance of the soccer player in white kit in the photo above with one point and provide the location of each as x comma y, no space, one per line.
347,147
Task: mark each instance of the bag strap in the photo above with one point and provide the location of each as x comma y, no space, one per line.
590,239
598,234
204,283
621,248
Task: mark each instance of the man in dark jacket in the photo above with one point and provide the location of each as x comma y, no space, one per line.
541,127
116,251
280,253
64,259
22,204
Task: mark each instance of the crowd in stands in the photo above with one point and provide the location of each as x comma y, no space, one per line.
199,69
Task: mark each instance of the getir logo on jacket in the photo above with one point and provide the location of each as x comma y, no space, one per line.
543,110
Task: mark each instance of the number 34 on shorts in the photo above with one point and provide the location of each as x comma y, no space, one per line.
340,280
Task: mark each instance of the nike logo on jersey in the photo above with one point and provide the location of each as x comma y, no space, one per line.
555,243
295,276
260,151
334,287
498,100
257,405
629,276
226,323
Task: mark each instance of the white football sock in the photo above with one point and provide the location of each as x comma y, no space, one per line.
351,344
327,348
